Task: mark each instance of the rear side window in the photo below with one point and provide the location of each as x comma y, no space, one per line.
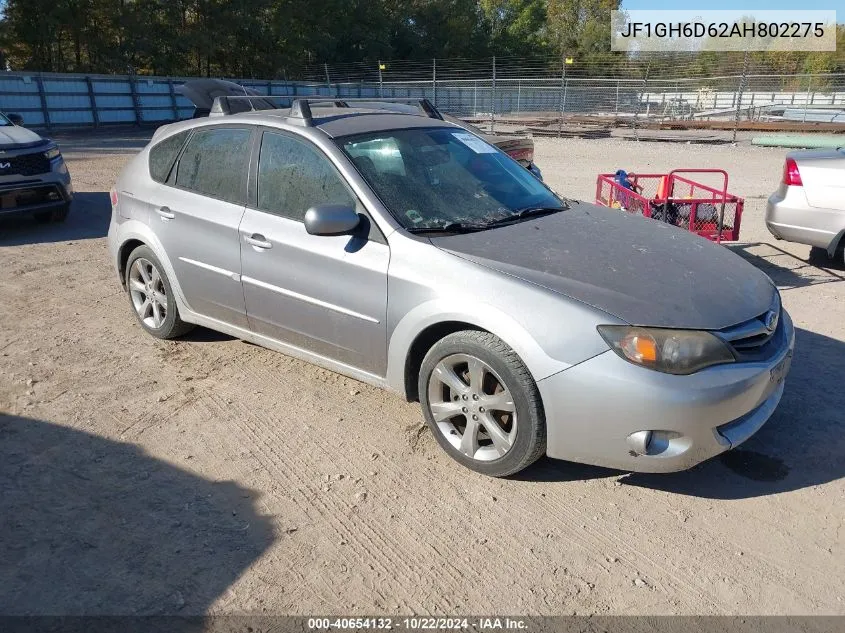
215,163
163,154
293,177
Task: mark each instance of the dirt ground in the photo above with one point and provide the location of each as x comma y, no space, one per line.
210,475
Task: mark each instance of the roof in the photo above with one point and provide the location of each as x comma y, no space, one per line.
343,122
348,121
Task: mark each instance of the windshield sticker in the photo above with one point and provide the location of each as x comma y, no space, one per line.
474,143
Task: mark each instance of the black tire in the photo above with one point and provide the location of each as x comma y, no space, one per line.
530,438
58,214
172,326
819,257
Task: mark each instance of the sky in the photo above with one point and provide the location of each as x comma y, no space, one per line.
737,5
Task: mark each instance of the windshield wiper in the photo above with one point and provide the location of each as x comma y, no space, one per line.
451,227
526,212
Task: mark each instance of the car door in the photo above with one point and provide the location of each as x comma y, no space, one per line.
197,215
324,294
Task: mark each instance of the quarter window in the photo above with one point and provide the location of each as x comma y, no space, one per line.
293,177
215,163
163,154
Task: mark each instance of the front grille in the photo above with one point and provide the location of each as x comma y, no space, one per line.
749,339
24,164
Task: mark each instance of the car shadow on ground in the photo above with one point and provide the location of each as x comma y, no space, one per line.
786,269
91,526
204,335
88,219
802,445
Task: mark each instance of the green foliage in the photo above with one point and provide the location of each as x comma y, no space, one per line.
279,38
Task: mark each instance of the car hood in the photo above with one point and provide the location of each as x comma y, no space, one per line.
642,271
11,135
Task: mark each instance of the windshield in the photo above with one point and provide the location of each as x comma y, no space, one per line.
4,121
434,178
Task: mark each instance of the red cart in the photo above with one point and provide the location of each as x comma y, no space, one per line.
673,198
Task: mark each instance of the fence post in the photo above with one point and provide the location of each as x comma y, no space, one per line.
616,109
380,81
562,94
434,81
807,99
45,112
173,103
640,100
740,90
475,98
135,102
493,100
518,94
91,98
328,80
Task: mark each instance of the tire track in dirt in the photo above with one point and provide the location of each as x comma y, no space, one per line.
514,563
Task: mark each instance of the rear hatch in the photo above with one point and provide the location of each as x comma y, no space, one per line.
202,92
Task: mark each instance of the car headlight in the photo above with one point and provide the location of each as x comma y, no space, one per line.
669,351
52,153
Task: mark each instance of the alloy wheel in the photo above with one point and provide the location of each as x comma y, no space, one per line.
472,407
149,296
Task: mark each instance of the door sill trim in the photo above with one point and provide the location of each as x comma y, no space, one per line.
285,348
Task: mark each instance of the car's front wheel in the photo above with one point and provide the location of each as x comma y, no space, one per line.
481,403
151,295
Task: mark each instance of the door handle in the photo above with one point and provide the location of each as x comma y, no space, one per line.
259,241
166,213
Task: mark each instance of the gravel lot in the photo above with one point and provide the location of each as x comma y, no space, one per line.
210,475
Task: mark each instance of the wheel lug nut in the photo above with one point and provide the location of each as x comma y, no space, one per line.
475,396
481,409
464,396
464,409
475,417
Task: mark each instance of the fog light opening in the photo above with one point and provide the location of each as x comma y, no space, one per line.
640,441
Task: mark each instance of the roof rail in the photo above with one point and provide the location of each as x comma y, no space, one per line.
301,106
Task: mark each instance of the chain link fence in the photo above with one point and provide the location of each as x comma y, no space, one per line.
617,90
542,95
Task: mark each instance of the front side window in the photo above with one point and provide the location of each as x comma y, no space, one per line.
215,163
163,154
433,178
293,177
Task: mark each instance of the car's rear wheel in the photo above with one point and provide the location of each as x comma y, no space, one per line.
53,215
820,257
481,403
151,295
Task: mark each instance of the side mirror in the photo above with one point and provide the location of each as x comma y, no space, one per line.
15,118
331,219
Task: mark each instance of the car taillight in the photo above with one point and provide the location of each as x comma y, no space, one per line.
113,195
791,175
521,154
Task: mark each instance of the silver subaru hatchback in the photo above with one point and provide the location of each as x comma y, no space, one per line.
407,252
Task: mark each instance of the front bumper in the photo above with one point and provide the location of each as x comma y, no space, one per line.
19,195
593,408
